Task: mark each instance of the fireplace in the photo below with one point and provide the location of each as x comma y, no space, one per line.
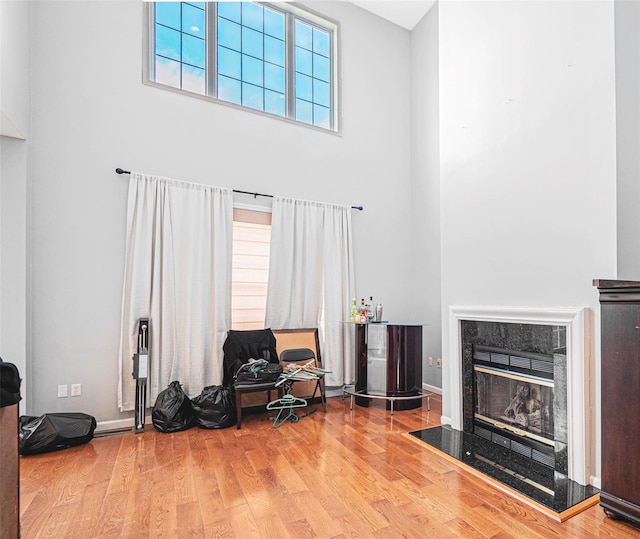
514,401
519,377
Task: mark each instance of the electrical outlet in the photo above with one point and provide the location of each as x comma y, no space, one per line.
430,362
63,391
438,362
76,390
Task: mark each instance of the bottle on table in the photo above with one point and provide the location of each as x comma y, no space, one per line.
353,312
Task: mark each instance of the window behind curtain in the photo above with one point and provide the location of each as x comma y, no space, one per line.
251,245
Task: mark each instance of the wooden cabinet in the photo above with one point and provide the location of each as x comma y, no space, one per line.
620,397
9,473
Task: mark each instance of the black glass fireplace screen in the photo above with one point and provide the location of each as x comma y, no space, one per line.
517,403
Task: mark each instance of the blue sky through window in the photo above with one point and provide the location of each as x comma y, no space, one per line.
180,52
313,75
250,65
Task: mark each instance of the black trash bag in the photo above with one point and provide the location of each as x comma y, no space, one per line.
9,384
173,410
51,432
215,408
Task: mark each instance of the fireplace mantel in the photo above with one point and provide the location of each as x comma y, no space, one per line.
578,371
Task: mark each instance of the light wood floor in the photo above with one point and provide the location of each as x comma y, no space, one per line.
344,474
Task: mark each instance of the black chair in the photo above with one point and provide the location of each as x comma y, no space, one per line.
241,346
293,359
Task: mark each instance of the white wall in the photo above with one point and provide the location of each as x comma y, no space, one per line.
425,191
91,114
528,171
627,15
14,105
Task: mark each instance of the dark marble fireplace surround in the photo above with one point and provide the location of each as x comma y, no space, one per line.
545,340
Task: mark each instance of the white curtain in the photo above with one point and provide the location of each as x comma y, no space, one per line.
311,278
178,274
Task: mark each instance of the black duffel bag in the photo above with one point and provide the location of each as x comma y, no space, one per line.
215,408
258,371
173,410
51,432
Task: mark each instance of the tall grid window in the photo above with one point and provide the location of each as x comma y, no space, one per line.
278,60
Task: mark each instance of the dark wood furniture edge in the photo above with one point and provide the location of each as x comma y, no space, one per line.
617,507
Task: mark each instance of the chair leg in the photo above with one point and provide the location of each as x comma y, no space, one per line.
322,396
239,408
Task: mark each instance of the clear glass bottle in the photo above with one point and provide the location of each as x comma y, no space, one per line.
371,310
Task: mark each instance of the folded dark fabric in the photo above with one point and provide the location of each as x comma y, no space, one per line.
9,384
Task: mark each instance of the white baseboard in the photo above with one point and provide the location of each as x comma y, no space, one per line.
120,424
432,389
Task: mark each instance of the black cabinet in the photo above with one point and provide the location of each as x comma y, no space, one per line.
620,397
397,348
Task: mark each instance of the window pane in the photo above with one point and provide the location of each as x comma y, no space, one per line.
193,21
321,42
229,63
193,79
167,72
193,50
320,67
304,88
304,36
252,96
321,117
304,112
168,13
251,42
252,70
274,50
274,102
252,16
274,23
229,10
167,42
321,92
229,34
303,61
274,77
197,4
229,90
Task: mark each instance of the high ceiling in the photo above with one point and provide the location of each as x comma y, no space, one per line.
405,13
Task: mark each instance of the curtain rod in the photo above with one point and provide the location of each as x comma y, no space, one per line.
122,171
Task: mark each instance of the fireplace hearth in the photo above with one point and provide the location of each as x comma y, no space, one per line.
536,484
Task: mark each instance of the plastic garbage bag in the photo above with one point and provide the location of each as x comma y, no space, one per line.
173,410
215,408
51,432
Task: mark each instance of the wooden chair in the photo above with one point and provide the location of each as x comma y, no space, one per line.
241,346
